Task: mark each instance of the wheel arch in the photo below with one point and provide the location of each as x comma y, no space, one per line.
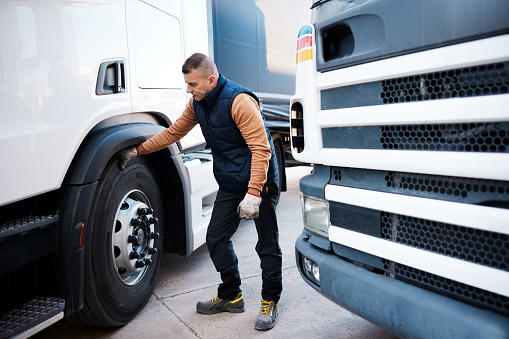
101,146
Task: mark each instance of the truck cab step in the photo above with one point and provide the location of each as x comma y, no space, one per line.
25,224
27,239
31,317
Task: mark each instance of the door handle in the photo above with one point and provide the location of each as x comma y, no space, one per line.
111,78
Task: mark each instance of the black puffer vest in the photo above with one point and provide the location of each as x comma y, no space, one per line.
232,157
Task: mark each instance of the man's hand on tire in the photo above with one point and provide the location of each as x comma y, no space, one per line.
249,207
126,155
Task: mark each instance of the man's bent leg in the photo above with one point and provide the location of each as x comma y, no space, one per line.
268,245
223,224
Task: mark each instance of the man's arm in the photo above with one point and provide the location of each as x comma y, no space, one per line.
246,114
174,133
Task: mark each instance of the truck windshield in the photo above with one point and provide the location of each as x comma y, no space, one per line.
323,9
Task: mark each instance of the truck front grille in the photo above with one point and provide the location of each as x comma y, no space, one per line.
481,247
473,137
447,185
459,189
462,137
475,81
469,244
464,82
450,288
464,243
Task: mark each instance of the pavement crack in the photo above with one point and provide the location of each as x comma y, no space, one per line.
182,321
183,293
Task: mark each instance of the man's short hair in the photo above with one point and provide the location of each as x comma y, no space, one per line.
201,63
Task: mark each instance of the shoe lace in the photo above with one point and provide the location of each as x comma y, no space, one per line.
216,298
266,306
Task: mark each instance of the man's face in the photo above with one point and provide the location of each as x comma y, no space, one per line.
198,85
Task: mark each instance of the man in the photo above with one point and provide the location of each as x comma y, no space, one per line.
246,170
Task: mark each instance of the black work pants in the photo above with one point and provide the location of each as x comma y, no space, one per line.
223,224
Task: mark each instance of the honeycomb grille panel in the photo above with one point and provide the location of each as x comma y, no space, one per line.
464,82
445,185
472,137
469,244
473,245
475,81
466,293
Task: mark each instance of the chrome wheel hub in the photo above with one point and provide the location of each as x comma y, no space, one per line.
133,237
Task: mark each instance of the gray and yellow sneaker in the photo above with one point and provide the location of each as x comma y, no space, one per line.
217,305
267,317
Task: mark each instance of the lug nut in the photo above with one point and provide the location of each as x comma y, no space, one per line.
145,211
132,239
122,270
135,221
152,250
147,261
140,263
154,235
153,220
134,255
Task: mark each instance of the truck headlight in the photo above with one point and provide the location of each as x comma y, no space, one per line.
315,213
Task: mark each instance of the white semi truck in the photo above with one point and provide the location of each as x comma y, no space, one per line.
403,108
80,81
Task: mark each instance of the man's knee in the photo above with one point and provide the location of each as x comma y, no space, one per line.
212,240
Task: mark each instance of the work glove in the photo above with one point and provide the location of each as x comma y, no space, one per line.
127,154
249,207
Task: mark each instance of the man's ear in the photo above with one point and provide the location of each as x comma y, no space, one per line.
211,79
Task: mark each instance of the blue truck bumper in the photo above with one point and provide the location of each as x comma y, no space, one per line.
400,308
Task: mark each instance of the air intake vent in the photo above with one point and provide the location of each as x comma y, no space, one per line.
474,81
469,244
466,293
452,186
458,83
473,245
473,137
466,137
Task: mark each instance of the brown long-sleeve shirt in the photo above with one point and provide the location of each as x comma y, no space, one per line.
246,114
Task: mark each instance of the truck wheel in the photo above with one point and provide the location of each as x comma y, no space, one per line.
123,245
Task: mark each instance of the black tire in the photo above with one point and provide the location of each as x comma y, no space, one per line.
115,288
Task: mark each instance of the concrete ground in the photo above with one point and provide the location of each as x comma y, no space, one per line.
171,312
